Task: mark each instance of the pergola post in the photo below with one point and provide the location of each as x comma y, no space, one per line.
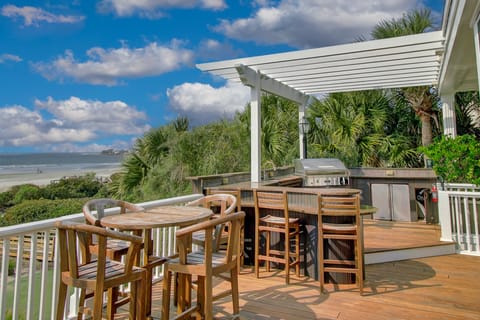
301,133
255,131
448,111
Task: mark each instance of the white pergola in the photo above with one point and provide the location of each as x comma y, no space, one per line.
418,60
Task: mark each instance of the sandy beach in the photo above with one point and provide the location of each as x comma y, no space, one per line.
42,178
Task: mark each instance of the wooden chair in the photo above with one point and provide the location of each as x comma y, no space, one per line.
283,225
226,204
224,236
205,264
94,211
339,220
80,269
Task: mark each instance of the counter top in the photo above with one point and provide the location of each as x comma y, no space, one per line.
286,183
300,199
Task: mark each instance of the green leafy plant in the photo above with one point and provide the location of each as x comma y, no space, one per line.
35,210
455,159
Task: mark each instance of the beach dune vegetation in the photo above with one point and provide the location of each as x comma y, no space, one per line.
41,209
28,202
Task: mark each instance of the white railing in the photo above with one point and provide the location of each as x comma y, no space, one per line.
459,216
30,268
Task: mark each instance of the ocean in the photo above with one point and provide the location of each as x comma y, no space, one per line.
26,163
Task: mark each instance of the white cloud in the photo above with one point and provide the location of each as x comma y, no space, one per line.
112,117
152,8
34,16
313,23
9,57
203,103
68,122
107,66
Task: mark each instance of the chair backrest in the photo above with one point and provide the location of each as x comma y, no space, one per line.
340,206
273,200
233,221
74,252
236,193
94,210
226,202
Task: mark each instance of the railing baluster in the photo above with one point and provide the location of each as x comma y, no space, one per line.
44,278
55,276
466,210
475,221
31,276
4,278
18,277
457,212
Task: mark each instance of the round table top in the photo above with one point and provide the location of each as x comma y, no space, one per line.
164,216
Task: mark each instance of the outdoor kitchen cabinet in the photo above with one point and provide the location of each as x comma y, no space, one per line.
392,201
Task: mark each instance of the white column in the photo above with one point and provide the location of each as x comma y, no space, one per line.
255,131
448,111
301,115
444,218
477,47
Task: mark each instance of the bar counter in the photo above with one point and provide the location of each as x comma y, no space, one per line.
302,204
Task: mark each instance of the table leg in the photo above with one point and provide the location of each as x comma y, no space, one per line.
147,251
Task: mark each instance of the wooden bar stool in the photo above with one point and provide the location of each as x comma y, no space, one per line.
266,225
339,220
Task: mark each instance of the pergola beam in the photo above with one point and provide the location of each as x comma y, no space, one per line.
252,78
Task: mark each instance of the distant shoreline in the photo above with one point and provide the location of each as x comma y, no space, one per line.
43,178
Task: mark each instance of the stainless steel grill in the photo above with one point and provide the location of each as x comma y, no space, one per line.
322,172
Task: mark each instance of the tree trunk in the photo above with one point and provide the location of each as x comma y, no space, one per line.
426,130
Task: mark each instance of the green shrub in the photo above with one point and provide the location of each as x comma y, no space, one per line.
73,187
6,199
27,192
35,210
455,159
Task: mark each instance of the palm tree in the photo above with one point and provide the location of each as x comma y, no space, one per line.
422,99
350,126
467,113
146,154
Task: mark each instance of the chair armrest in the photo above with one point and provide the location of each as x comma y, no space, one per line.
91,219
101,231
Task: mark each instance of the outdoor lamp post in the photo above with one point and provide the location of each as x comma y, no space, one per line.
304,129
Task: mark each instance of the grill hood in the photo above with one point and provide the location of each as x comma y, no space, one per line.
318,172
320,166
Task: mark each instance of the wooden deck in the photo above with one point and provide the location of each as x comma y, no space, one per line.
387,235
444,287
440,287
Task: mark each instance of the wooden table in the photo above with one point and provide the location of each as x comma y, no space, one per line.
158,217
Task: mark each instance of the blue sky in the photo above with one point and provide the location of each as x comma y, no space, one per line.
88,75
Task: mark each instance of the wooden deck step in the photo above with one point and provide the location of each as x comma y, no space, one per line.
387,241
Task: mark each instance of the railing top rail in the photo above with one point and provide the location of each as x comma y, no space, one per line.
43,225
470,194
